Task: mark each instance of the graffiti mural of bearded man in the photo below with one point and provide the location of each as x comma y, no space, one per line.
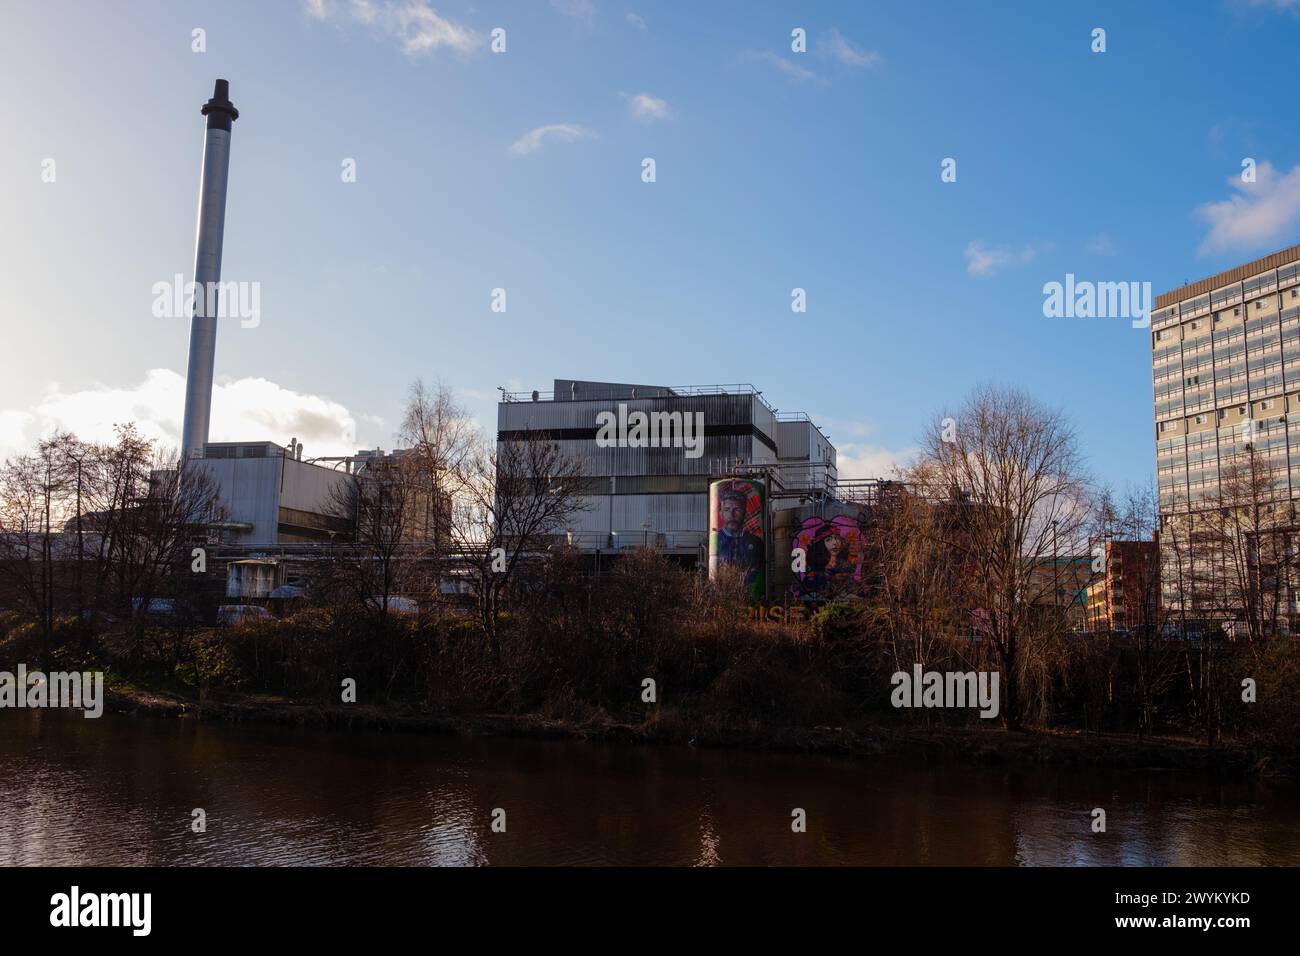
737,529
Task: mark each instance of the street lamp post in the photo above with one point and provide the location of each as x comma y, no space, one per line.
1056,564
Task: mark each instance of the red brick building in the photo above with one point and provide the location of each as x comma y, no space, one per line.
1127,594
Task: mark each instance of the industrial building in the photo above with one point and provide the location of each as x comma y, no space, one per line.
271,496
705,474
280,512
642,495
757,485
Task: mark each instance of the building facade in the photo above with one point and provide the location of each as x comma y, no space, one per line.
656,493
1126,595
1226,382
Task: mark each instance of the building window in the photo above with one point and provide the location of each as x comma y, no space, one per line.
1237,310
1200,419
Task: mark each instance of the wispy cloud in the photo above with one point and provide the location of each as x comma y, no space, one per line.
648,108
1101,245
786,65
415,26
636,20
584,10
838,46
534,139
1257,214
983,260
1282,6
246,409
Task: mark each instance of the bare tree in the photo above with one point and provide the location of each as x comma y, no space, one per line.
438,437
1121,526
1230,554
1013,470
31,493
513,500
912,600
112,518
381,506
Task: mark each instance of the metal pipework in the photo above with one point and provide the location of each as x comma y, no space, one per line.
221,114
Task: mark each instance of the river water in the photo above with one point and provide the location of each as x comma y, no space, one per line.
121,791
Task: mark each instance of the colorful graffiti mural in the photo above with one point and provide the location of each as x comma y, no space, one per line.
832,555
737,529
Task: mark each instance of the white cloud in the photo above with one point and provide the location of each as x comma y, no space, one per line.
838,46
648,108
413,24
785,65
246,409
983,260
14,429
636,20
1102,245
533,140
862,460
1258,214
862,457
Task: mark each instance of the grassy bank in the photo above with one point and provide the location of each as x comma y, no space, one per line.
573,660
666,726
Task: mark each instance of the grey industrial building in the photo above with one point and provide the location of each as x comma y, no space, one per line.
281,509
660,496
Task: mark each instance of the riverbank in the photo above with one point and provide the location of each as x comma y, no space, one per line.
668,727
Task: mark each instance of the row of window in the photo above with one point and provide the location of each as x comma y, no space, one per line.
1243,290
1268,404
1179,332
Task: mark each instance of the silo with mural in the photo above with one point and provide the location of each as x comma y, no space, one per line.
738,530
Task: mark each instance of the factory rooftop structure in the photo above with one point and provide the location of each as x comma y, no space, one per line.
658,494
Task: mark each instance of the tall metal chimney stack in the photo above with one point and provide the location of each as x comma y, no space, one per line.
221,114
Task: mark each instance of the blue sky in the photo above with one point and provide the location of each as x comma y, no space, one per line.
775,170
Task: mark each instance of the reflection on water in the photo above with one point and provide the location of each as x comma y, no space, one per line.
121,791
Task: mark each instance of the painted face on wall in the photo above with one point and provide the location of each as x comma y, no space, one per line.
834,545
833,550
732,510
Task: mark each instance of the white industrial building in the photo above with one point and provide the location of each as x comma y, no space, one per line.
270,496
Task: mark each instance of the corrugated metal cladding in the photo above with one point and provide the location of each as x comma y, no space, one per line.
666,512
676,522
654,493
717,409
793,439
663,461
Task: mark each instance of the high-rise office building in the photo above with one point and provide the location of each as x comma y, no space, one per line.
1226,379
